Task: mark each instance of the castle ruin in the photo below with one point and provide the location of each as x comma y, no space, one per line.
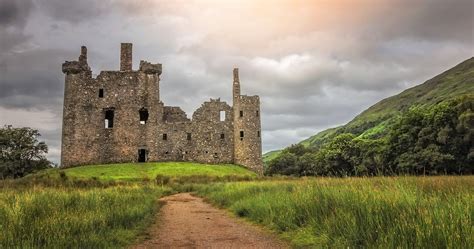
119,117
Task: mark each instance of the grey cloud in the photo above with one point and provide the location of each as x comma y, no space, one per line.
13,18
432,20
74,11
14,13
32,79
53,139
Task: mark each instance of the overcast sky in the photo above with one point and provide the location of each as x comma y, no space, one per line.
315,64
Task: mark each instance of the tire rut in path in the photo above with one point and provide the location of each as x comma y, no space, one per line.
186,221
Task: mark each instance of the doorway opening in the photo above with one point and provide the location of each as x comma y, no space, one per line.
142,155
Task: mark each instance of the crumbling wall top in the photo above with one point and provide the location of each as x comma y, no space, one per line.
150,68
255,99
75,67
173,114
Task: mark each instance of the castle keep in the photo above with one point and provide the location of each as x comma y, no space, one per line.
118,117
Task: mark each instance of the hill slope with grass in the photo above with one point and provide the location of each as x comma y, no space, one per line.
372,123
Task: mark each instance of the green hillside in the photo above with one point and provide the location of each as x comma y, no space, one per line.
372,122
270,155
140,171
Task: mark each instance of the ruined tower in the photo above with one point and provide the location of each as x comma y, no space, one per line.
118,117
247,128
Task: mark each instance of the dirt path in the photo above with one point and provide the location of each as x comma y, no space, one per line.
186,221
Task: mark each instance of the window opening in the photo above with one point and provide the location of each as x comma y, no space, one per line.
109,119
241,135
165,136
101,93
257,113
222,135
241,113
189,136
258,133
222,115
143,115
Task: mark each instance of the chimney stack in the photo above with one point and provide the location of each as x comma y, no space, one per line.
126,57
83,56
236,84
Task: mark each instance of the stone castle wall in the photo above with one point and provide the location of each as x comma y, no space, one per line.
118,117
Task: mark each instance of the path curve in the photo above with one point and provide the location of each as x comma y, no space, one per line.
186,221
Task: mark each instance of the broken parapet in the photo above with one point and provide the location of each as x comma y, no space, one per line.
75,67
150,68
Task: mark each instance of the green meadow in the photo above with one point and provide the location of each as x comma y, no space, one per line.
381,212
110,206
64,217
98,206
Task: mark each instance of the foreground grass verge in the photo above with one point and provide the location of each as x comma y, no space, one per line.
404,212
98,206
65,217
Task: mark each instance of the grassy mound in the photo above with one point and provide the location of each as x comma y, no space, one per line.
149,171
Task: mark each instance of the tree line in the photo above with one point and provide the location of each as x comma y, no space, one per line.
424,140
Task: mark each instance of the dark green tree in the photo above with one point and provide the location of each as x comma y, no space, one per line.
284,164
20,152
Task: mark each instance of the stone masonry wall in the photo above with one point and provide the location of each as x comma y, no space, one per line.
143,128
247,132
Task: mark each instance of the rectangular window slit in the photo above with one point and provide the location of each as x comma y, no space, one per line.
241,135
101,93
143,115
189,136
241,113
222,135
109,119
165,136
222,115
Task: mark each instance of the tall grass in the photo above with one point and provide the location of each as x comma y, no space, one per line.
405,212
65,217
99,206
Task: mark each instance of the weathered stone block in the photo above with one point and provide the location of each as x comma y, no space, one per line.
72,67
150,68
